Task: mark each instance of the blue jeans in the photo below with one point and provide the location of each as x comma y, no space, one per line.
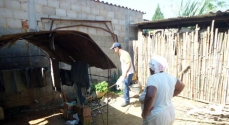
126,90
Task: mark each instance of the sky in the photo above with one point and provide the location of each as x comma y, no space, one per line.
149,6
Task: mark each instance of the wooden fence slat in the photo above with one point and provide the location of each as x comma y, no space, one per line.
205,52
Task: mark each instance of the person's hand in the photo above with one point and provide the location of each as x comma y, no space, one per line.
124,76
144,115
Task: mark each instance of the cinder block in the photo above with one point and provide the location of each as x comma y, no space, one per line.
95,24
83,29
95,11
39,8
123,27
114,21
2,22
86,9
95,37
131,18
90,17
24,6
121,22
92,31
13,30
99,32
118,15
117,27
103,13
100,6
14,23
116,32
54,16
111,14
123,16
18,14
115,9
40,15
6,13
65,5
2,3
40,25
71,14
61,12
81,16
41,2
89,3
139,15
121,33
10,4
49,10
82,2
103,38
54,3
72,1
99,18
108,44
140,19
76,7
108,7
47,26
2,31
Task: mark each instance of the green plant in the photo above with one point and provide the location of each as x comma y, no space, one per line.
101,87
92,87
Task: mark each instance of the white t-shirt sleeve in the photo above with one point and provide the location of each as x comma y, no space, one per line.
152,82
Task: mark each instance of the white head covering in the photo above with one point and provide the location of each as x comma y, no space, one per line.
158,64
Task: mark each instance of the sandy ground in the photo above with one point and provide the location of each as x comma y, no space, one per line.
117,115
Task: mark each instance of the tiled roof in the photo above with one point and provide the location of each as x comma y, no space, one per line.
118,6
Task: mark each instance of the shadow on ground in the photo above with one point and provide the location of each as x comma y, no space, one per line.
117,115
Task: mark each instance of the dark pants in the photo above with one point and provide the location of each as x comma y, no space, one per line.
126,87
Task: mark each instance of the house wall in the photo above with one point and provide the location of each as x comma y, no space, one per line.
14,12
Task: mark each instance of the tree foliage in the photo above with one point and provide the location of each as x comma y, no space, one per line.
158,14
195,7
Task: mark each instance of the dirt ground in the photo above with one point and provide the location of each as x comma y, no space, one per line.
117,115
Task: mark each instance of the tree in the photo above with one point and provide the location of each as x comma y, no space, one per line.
158,14
194,7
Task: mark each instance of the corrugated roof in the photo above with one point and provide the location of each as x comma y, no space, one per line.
185,21
119,6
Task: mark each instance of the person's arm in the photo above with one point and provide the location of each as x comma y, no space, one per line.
178,88
149,100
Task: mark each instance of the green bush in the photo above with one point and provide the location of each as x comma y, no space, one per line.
100,87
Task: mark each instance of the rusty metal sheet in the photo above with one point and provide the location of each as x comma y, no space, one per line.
66,46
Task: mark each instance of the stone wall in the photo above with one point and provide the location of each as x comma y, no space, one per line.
13,12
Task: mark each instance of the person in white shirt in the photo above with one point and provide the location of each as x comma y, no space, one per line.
157,107
127,70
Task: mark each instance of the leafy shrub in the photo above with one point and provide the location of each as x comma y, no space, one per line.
101,87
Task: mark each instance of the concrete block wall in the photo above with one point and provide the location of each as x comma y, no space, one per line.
91,10
12,12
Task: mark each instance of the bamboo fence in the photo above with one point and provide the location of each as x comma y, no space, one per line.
199,59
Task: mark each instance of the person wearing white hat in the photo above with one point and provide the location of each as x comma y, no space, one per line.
127,70
157,107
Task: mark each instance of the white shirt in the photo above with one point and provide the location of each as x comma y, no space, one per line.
124,59
165,85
